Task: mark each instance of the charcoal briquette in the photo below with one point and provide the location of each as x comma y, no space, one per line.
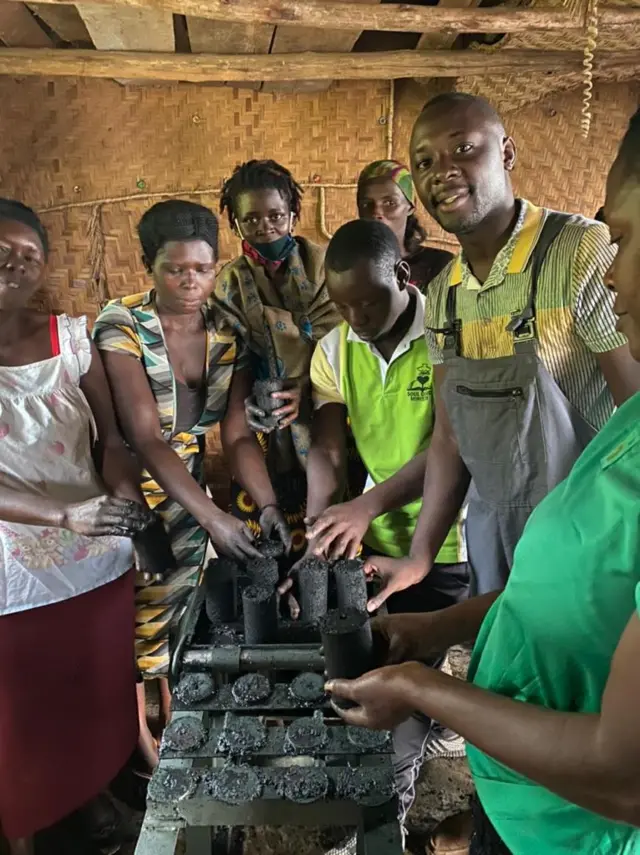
348,645
233,785
260,612
220,590
251,689
242,735
184,734
313,588
263,572
262,391
306,784
194,688
271,548
351,584
307,688
306,735
367,740
172,785
366,785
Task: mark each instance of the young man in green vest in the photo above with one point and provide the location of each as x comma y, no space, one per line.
374,370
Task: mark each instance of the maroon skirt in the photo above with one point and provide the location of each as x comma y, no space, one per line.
68,718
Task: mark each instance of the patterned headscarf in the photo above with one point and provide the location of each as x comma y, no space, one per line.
394,170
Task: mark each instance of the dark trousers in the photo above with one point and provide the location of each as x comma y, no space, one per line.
485,839
446,585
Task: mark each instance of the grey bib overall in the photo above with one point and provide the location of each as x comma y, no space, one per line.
517,433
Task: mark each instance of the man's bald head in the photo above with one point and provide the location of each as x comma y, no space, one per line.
461,158
447,102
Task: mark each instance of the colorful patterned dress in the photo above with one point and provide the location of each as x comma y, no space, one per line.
131,325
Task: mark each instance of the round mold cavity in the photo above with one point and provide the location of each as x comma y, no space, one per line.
307,688
242,735
304,785
184,734
172,785
234,785
195,688
251,689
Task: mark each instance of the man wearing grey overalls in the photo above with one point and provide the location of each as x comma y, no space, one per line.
528,364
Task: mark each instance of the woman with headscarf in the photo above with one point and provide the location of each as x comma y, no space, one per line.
70,502
386,193
175,372
275,298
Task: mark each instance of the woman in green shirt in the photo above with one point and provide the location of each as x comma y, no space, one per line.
550,712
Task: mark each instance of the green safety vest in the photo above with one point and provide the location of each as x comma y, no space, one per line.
391,424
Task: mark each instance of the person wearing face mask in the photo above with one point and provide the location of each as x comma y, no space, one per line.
550,709
386,193
528,365
275,299
175,371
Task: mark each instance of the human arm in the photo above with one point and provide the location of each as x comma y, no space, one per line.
103,515
138,416
594,318
446,481
246,460
339,530
589,759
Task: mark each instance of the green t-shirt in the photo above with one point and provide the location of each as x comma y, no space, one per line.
391,411
550,638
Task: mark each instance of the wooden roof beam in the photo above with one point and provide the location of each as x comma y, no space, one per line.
393,17
384,65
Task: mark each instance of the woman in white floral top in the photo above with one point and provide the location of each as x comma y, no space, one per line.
69,504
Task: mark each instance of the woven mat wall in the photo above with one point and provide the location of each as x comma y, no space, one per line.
70,141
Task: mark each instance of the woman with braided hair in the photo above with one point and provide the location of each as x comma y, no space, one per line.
175,372
386,193
275,298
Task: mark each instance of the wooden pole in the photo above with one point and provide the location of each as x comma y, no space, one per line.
383,65
394,17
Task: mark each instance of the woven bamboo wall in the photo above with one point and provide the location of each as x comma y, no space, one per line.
66,143
70,142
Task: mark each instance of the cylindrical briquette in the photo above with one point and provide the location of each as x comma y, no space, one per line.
351,584
262,390
313,588
220,584
271,548
348,643
263,572
260,608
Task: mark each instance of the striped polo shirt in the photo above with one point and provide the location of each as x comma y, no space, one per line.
574,309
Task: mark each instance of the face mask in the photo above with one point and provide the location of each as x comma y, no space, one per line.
277,250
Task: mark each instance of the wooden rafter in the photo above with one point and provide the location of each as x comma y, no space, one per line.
394,17
206,68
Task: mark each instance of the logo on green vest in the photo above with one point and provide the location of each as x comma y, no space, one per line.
420,389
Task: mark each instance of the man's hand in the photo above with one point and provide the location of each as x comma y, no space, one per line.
396,574
338,532
381,697
257,419
272,519
231,536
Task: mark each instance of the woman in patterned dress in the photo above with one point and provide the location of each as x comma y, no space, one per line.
70,501
174,374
